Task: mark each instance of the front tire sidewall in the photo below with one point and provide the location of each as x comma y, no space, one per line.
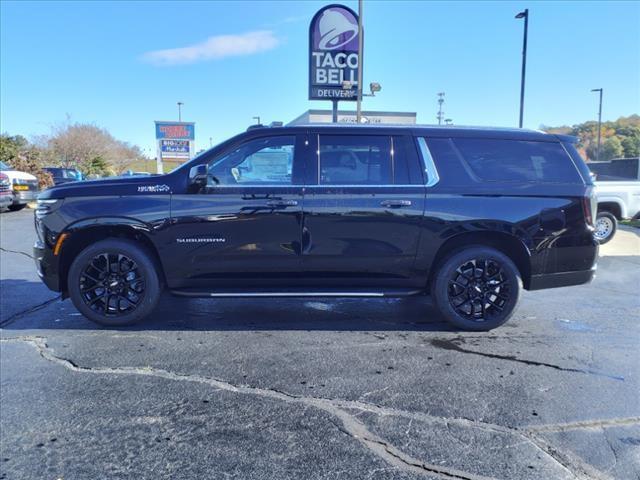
145,264
440,288
614,226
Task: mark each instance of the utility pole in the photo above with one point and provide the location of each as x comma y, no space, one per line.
360,64
440,115
180,111
525,15
599,122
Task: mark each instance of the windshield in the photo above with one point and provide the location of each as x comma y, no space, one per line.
4,166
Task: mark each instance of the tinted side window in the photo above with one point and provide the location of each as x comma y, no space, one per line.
355,160
516,160
263,161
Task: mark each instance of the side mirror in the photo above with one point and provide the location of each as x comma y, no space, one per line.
198,175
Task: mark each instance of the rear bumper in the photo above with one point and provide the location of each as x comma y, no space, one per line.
563,279
25,196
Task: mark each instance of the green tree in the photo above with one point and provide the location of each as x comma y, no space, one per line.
631,146
611,148
10,147
96,165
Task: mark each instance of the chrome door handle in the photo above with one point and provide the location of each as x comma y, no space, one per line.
395,203
282,203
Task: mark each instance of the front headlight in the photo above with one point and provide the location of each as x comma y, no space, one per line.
45,207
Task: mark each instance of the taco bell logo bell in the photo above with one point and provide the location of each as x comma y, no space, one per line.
333,54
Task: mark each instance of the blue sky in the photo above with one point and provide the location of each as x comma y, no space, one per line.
93,61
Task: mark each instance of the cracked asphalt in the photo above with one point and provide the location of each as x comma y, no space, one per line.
320,389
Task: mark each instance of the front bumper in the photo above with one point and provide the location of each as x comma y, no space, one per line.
562,279
6,200
46,266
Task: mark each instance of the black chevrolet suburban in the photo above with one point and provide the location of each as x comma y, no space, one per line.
469,215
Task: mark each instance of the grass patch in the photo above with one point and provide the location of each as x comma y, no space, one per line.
631,223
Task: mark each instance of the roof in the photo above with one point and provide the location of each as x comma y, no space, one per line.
427,130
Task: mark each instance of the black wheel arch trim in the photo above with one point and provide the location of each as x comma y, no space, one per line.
517,247
83,232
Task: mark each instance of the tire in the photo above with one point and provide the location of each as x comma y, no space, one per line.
466,289
114,282
606,226
16,207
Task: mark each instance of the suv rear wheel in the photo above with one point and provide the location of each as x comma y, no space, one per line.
114,282
477,288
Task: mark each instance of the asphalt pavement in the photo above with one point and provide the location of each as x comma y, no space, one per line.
322,388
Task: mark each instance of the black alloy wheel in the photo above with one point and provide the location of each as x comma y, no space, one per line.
477,288
114,282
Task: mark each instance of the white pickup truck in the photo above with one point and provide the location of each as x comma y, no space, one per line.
618,191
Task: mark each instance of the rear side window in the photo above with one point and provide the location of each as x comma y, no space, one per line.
492,160
355,160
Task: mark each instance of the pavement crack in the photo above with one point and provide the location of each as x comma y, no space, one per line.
587,424
6,250
29,310
348,423
452,345
572,464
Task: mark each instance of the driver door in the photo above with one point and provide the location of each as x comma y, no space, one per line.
244,229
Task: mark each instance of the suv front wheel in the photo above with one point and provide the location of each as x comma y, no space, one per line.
114,282
477,288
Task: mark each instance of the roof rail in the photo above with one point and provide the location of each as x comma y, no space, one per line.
253,127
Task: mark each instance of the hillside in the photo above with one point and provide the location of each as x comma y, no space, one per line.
620,138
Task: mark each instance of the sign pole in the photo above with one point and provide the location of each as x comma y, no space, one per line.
159,167
360,62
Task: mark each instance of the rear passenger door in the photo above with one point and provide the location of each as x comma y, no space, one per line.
364,201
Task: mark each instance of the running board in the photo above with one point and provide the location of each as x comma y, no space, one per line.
295,293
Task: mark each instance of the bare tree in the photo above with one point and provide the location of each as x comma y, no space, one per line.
88,147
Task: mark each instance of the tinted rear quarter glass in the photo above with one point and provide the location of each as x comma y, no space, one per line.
579,162
493,160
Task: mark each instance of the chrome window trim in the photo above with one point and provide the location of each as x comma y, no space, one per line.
427,160
573,162
288,185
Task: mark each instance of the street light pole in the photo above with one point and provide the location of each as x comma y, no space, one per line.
360,63
525,15
599,122
180,111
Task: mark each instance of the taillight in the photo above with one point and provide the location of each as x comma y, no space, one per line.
589,207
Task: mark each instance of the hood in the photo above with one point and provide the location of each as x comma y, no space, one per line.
18,175
160,184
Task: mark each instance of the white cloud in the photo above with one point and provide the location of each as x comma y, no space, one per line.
215,48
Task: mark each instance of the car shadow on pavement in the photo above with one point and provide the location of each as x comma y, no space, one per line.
42,312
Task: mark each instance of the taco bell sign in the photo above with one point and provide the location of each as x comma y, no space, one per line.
333,54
